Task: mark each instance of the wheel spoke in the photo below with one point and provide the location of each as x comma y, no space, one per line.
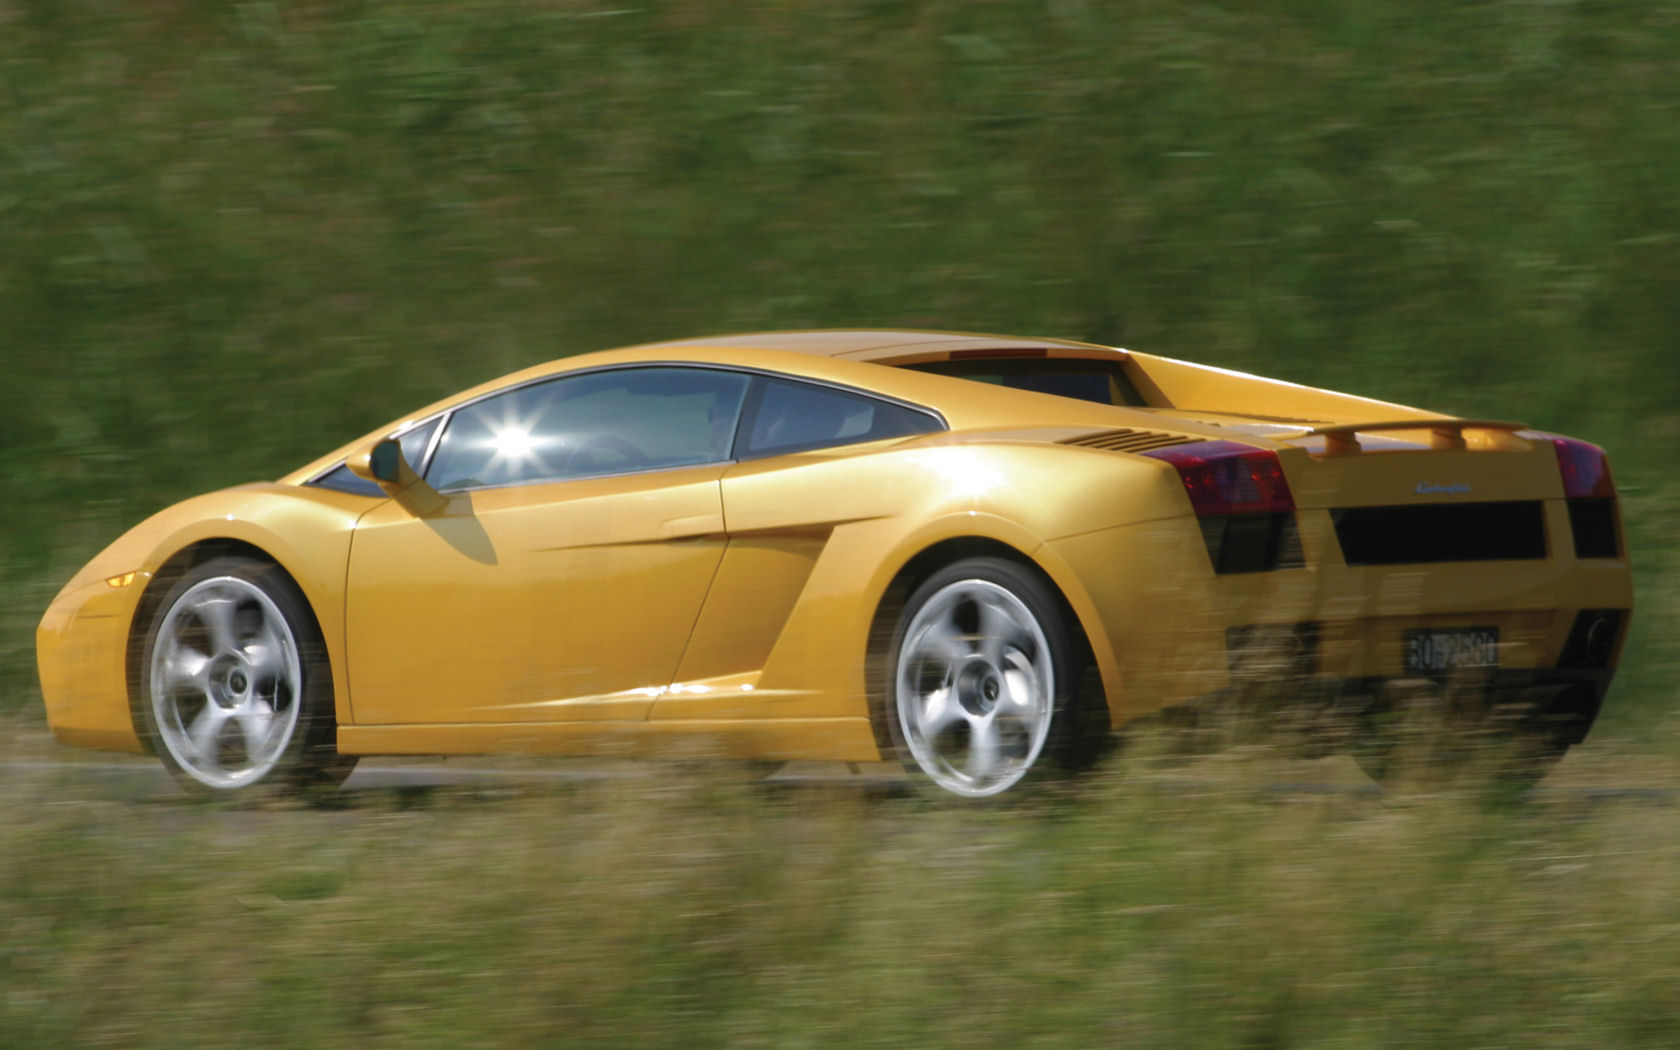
945,642
185,668
267,656
940,711
217,614
984,751
999,629
1020,692
205,735
255,720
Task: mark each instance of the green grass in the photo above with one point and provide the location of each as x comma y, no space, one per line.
232,236
1198,905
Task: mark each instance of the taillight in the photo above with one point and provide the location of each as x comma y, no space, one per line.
1242,501
1226,477
1586,473
1591,497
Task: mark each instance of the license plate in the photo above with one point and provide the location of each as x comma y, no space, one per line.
1450,650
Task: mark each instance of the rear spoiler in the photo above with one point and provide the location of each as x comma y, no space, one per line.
1445,434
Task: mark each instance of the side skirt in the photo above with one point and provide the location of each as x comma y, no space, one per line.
815,739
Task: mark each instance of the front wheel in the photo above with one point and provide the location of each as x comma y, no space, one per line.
980,676
236,691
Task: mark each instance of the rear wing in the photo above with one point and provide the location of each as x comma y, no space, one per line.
1342,439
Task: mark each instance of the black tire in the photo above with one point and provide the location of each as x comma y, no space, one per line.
980,680
235,695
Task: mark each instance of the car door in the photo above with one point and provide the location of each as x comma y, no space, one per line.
794,484
563,578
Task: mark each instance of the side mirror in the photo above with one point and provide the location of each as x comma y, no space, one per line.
385,461
380,463
383,464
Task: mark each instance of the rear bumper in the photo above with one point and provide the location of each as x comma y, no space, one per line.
1171,627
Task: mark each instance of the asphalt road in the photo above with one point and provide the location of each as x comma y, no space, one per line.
144,779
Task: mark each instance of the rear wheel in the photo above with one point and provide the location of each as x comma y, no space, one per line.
980,676
235,688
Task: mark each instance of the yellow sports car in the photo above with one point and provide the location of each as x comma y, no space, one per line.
976,554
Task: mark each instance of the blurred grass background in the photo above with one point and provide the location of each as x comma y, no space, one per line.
232,236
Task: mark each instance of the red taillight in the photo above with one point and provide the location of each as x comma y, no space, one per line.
1225,477
1586,473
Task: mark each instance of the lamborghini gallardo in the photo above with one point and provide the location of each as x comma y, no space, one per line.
982,556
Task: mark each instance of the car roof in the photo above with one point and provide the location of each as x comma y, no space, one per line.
850,357
870,344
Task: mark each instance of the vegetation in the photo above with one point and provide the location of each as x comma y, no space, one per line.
234,235
1204,905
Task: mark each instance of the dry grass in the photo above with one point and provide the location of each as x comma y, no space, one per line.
1240,899
232,236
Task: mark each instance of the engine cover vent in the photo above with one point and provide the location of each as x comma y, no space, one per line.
1127,439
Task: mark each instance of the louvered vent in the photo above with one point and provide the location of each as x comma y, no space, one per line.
1128,440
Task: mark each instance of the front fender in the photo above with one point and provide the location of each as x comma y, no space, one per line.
82,641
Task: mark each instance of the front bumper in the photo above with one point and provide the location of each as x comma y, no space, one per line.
81,651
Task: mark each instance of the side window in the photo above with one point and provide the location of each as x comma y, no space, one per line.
414,441
611,422
792,416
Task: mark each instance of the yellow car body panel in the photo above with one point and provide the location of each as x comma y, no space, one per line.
84,645
738,600
524,598
81,647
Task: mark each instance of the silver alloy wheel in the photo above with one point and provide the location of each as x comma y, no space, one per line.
226,682
975,687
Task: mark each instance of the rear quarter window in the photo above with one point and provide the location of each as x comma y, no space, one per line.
791,416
